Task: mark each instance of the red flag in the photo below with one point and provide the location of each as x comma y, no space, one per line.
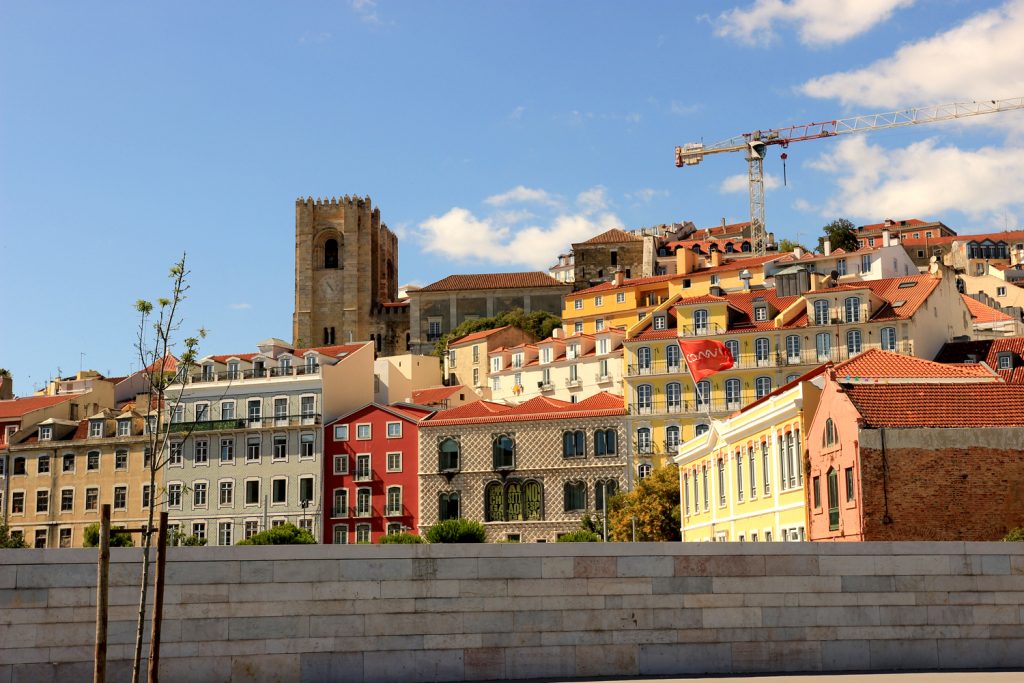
705,357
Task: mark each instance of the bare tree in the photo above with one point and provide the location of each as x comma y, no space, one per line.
155,343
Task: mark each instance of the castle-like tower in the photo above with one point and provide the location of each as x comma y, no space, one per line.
346,276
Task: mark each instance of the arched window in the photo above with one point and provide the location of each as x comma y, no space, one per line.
762,350
853,345
575,496
696,248
729,248
762,387
672,357
533,501
573,444
888,338
700,321
745,247
732,394
733,347
643,470
643,440
821,316
674,396
702,394
513,501
605,442
852,306
448,455
644,398
833,499
700,429
504,452
830,436
448,505
671,439
494,502
331,253
643,359
604,489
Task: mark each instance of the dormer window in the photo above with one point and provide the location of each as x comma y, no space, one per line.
45,433
207,372
1005,361
285,364
311,362
545,354
715,280
95,429
659,322
760,313
821,312
572,351
233,369
496,364
517,360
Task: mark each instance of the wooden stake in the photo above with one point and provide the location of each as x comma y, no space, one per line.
158,601
99,670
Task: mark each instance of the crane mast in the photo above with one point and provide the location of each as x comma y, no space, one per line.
755,144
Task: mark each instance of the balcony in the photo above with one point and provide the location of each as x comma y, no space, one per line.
601,379
364,512
363,475
253,373
574,383
232,423
711,329
658,367
397,511
546,387
716,406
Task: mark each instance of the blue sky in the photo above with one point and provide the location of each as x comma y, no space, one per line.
490,134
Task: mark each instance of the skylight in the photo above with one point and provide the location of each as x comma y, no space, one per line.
905,285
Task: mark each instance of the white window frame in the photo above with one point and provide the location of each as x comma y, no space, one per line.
620,297
394,461
340,534
398,435
206,494
334,499
124,427
364,435
95,429
342,459
577,304
273,481
341,432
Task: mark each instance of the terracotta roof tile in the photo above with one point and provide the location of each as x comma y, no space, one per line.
613,236
16,407
170,364
540,408
875,363
226,357
892,290
980,313
454,283
477,336
988,350
335,351
431,395
939,405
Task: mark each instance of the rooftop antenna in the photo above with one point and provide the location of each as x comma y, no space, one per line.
81,358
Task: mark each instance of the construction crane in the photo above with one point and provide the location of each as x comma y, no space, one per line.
756,144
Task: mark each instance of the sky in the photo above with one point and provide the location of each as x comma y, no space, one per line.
491,135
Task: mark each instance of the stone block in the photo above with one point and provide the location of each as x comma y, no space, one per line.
777,584
452,641
676,618
668,635
23,598
989,653
558,567
538,620
412,624
850,615
623,586
510,568
847,565
575,638
414,667
595,567
542,587
540,662
791,565
845,655
483,663
308,571
346,590
329,667
336,625
607,660
457,568
915,564
713,600
425,588
996,614
209,572
448,604
258,628
1017,565
8,577
280,667
513,639
207,669
950,614
56,576
897,654
663,659
726,565
681,584
256,571
867,584
391,569
484,588
731,617
278,592
902,615
755,657
788,616
646,566
606,620
995,564
488,622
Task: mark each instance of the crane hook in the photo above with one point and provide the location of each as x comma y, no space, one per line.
784,156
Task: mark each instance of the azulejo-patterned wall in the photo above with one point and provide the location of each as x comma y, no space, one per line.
538,457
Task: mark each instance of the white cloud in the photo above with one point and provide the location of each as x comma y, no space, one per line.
979,59
523,195
740,183
645,195
680,109
240,307
502,239
923,180
803,205
517,113
819,22
367,10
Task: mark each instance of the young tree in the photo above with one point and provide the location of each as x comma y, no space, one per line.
789,245
9,540
538,323
91,537
653,504
155,344
285,534
841,234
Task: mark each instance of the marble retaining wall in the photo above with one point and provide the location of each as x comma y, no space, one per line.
482,612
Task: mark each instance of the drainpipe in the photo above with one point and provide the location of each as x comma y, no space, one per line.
886,518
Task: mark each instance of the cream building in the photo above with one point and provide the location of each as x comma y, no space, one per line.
466,361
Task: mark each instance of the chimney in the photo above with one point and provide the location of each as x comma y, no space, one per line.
798,252
827,246
685,261
558,333
885,236
889,222
716,258
745,279
620,276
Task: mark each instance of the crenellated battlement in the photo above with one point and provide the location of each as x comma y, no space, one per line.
352,200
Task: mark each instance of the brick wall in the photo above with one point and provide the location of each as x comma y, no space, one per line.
439,613
942,483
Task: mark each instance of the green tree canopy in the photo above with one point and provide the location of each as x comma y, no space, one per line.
91,537
286,534
538,323
654,502
9,541
841,233
457,531
789,245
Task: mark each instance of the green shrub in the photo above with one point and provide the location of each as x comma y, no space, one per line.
404,537
179,537
1015,535
91,538
286,534
456,531
7,540
579,536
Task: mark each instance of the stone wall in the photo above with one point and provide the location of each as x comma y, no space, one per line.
439,613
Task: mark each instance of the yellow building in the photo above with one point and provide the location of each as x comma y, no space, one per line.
743,479
623,301
773,340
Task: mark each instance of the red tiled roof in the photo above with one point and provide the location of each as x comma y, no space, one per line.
613,236
170,364
540,408
628,282
331,351
412,412
810,374
650,334
723,229
980,313
988,350
1006,236
239,356
889,290
476,336
493,281
909,223
939,405
875,363
431,395
16,407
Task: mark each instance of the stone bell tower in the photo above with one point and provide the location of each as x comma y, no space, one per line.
346,276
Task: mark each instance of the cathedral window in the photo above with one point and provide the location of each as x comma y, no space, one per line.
331,253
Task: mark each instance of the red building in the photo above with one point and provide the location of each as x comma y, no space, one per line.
370,473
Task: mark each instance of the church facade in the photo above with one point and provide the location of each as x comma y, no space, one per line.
346,276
